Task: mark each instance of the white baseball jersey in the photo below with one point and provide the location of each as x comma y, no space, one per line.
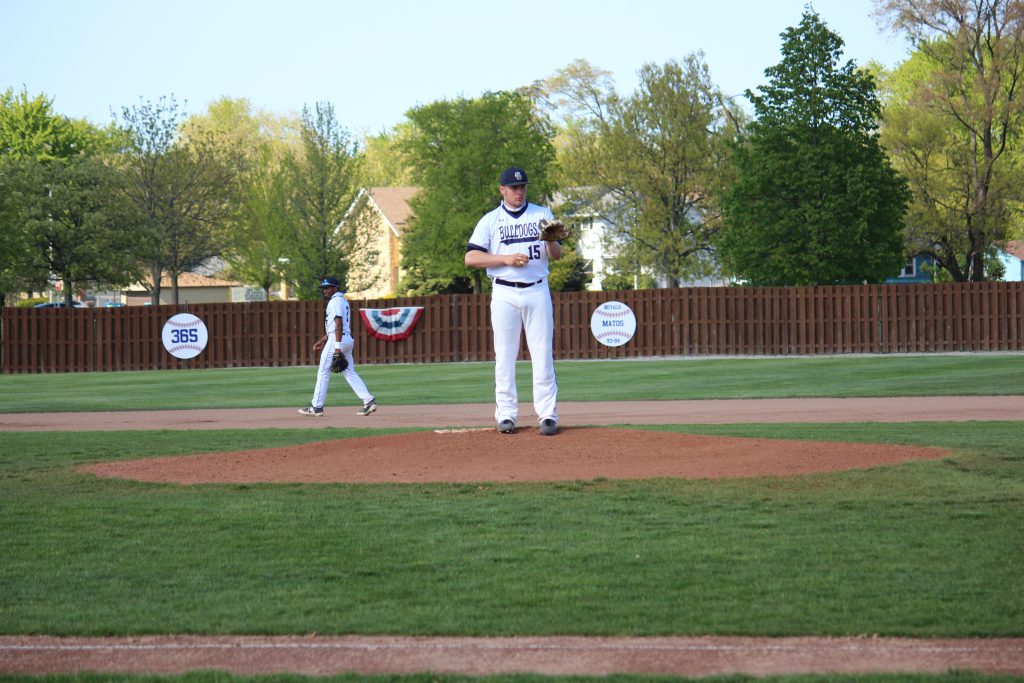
337,307
518,308
502,231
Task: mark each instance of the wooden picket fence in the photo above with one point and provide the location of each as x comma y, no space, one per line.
670,322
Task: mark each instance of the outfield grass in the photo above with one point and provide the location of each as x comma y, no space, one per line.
920,549
608,380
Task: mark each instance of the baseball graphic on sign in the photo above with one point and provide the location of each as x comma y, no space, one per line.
613,323
184,336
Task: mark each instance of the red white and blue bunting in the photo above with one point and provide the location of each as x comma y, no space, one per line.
391,324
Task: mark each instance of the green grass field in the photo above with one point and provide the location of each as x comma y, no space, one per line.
923,549
607,380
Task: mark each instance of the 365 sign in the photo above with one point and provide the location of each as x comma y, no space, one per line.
184,336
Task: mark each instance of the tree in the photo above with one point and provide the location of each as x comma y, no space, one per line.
816,200
32,134
255,144
956,114
181,189
320,183
384,165
458,149
577,97
79,228
29,127
261,228
658,157
15,249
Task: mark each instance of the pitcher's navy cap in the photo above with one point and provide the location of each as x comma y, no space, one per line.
330,282
512,176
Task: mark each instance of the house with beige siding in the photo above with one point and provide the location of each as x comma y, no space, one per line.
207,284
380,215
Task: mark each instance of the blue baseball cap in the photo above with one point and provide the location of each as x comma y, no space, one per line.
330,282
512,176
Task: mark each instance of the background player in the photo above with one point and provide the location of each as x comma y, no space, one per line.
506,242
337,326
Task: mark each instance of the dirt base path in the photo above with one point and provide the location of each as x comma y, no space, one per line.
562,656
905,409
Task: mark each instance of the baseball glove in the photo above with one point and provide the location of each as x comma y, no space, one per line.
339,363
553,230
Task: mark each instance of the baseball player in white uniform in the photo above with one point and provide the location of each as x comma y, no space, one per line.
337,337
506,242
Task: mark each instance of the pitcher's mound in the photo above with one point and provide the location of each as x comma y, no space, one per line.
580,453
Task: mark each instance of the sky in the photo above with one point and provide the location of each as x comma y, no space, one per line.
376,59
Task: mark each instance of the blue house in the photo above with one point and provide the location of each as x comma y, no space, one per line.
1012,257
913,272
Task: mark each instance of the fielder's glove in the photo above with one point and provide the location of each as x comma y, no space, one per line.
553,230
339,363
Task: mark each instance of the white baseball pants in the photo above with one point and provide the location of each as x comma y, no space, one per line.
323,377
512,310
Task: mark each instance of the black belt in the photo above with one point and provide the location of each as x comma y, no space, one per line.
519,285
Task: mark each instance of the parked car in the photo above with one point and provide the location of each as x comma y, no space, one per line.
61,304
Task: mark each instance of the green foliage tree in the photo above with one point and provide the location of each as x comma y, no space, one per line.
619,281
15,248
953,126
255,144
458,149
658,157
181,189
816,200
321,183
33,134
577,95
29,127
261,228
384,164
570,273
79,228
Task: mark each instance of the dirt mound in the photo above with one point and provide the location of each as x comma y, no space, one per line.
481,455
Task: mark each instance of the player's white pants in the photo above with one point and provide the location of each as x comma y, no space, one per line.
513,309
323,377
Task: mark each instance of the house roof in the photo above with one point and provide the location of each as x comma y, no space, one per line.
393,205
1015,248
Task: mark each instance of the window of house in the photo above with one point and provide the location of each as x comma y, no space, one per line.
909,268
